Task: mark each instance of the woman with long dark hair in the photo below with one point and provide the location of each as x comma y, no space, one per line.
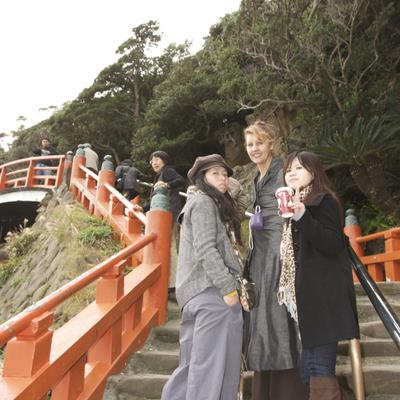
206,289
316,283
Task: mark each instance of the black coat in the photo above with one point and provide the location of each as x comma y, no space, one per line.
48,151
325,294
175,183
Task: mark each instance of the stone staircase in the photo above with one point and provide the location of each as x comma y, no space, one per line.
148,370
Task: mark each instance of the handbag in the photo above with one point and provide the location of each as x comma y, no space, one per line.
256,220
246,287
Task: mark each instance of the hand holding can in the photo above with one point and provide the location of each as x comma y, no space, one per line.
284,196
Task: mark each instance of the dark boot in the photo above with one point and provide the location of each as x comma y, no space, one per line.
325,389
287,385
278,385
260,386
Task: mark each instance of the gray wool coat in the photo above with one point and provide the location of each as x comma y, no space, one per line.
206,257
271,336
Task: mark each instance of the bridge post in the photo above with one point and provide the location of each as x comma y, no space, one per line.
68,167
392,268
72,384
3,178
159,221
109,289
106,175
30,175
352,230
30,350
60,173
76,172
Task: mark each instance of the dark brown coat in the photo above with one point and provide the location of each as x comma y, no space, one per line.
324,287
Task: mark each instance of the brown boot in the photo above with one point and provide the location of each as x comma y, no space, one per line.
325,389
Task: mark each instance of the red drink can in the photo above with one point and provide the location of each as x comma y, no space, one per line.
284,196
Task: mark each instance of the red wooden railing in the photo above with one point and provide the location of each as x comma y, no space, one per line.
74,361
381,266
24,173
98,195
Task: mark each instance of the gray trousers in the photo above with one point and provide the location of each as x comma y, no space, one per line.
210,350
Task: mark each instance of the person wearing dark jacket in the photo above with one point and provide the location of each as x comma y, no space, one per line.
126,179
168,177
45,150
316,282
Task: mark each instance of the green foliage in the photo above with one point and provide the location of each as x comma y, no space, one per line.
9,268
19,246
22,244
372,220
364,138
96,234
186,115
307,65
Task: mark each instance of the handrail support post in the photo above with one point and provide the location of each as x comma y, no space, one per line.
356,367
30,350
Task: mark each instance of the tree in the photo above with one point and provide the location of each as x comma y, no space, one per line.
362,148
187,116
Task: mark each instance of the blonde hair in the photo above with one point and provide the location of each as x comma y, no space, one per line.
266,132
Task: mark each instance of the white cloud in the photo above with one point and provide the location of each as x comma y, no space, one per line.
52,49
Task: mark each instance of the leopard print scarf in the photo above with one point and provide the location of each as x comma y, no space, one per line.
286,290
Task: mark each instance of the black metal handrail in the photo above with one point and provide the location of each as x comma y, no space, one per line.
378,300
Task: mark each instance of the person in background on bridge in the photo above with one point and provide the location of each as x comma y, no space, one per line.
126,179
316,283
206,289
271,345
167,176
45,150
92,158
120,173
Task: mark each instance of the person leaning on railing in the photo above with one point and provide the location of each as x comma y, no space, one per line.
167,176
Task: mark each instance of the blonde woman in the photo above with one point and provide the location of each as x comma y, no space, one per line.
271,345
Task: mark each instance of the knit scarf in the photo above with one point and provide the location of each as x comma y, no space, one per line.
286,290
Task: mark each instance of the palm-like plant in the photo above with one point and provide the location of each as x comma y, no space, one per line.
362,147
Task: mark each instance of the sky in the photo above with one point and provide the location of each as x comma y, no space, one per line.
50,50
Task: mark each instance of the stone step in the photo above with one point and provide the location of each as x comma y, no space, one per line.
150,368
165,361
156,361
376,361
372,348
174,312
366,311
142,385
374,329
168,333
378,380
387,288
